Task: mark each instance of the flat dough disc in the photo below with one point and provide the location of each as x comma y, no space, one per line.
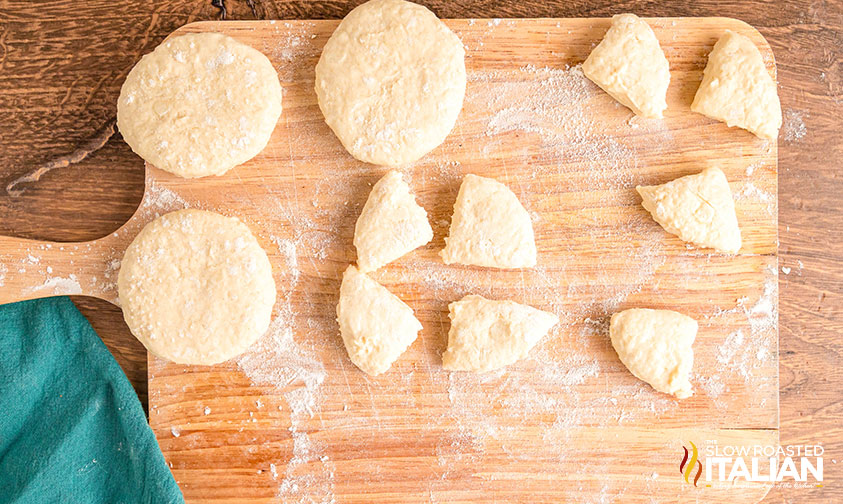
737,89
376,326
391,82
390,225
199,104
630,65
489,227
696,208
655,345
487,334
196,287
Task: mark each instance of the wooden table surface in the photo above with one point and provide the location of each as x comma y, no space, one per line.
62,64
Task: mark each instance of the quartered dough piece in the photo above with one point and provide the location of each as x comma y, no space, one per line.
629,65
489,227
696,208
655,345
390,225
737,89
196,287
375,325
391,81
487,335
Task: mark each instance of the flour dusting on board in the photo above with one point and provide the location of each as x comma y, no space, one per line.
159,200
553,105
573,157
279,362
57,285
744,351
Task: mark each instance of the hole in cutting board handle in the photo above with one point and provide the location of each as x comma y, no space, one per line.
78,202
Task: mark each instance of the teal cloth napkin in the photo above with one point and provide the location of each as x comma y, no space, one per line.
71,427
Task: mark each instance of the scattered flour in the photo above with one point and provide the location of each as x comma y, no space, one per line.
287,248
763,315
794,125
746,350
752,167
734,342
278,362
752,192
68,285
158,200
552,105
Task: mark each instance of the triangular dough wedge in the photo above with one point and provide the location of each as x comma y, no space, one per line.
655,345
489,227
629,64
737,89
390,225
487,335
375,325
696,208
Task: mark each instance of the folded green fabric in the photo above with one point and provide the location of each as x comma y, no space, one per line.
71,426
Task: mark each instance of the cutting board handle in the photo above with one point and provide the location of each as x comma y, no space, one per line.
31,269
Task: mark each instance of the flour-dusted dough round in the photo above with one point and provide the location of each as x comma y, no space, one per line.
487,334
630,65
655,345
199,104
489,227
375,325
390,225
737,89
696,208
196,287
391,82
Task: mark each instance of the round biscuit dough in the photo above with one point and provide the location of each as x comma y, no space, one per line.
391,82
199,104
196,287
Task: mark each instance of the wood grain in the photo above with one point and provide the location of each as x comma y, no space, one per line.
573,157
62,64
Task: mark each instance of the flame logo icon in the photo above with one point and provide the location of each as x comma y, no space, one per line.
686,467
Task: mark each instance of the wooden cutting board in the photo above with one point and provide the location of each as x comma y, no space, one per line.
294,421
